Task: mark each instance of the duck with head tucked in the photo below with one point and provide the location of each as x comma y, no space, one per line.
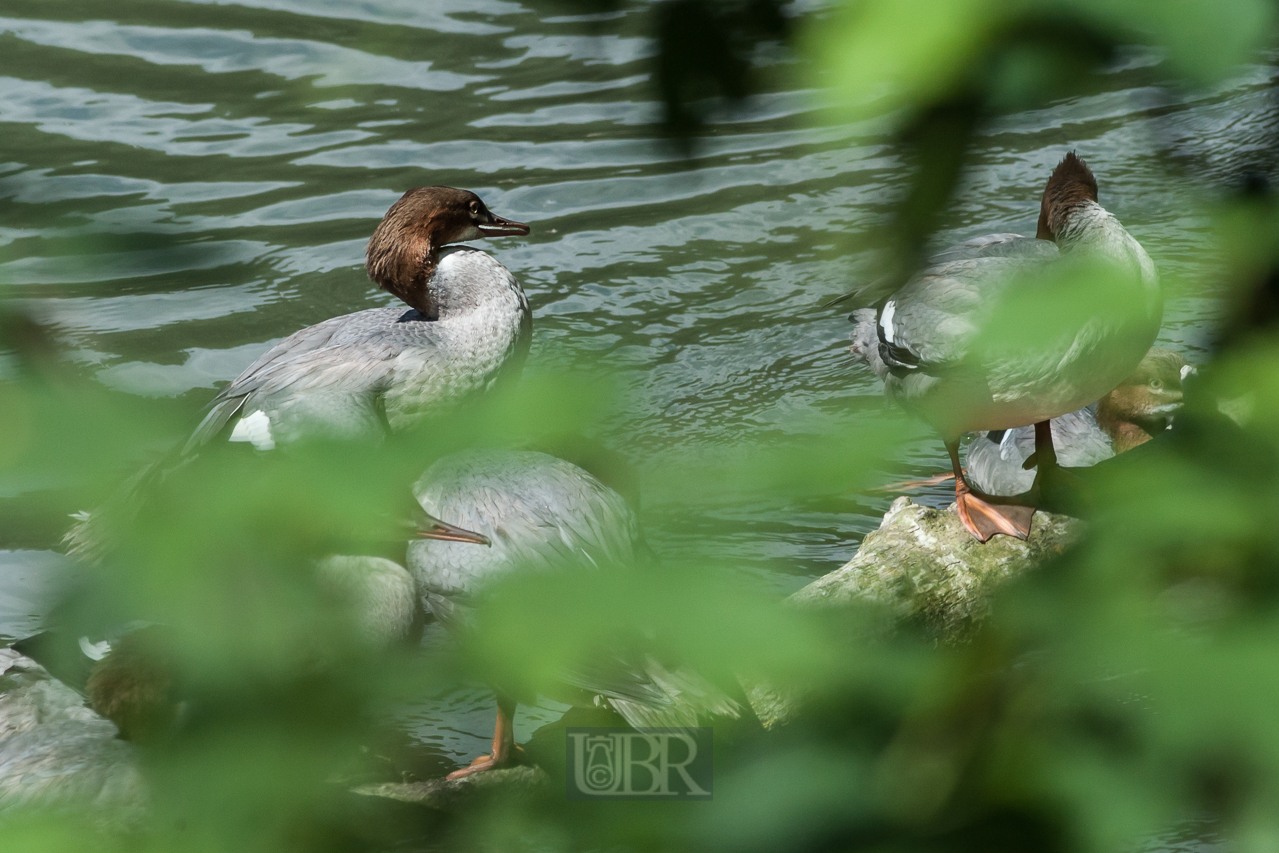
937,348
539,514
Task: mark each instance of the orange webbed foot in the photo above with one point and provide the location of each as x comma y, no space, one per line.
983,520
490,762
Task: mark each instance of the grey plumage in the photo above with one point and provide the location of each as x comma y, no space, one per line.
1003,245
540,512
866,342
545,514
381,595
359,374
1001,332
995,459
920,342
1140,407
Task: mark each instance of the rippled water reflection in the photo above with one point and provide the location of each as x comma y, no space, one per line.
186,182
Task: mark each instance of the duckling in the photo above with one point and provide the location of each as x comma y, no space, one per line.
926,341
134,684
1130,415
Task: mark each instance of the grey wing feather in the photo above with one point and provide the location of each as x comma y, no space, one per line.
928,324
324,356
995,459
989,470
936,315
997,246
865,340
231,399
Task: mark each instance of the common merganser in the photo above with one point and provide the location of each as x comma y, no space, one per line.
385,369
542,513
927,345
378,370
1130,415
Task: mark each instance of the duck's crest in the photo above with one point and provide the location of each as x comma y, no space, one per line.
1071,184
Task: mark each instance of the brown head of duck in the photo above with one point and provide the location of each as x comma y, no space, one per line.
404,250
1071,185
1143,406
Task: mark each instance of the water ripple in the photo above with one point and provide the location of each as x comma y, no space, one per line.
225,51
91,116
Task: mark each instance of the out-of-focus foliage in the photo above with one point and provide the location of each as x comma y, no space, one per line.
1116,693
883,55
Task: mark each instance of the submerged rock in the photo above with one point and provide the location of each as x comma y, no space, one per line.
56,754
924,567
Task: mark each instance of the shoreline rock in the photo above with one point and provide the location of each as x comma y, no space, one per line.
521,783
56,754
924,567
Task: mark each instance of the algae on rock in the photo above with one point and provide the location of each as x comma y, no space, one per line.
924,567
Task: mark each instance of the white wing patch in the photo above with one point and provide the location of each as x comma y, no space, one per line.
256,428
1008,446
886,321
94,651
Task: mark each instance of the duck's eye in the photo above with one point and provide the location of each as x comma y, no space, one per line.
475,208
1156,384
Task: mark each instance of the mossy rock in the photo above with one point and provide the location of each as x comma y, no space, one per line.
924,567
449,795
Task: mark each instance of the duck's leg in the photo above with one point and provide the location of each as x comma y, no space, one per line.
912,485
1055,487
983,517
1045,452
505,752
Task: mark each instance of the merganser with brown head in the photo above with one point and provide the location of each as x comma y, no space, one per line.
381,370
386,368
934,346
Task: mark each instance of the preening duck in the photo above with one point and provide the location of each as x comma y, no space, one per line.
1130,415
540,513
386,368
932,345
